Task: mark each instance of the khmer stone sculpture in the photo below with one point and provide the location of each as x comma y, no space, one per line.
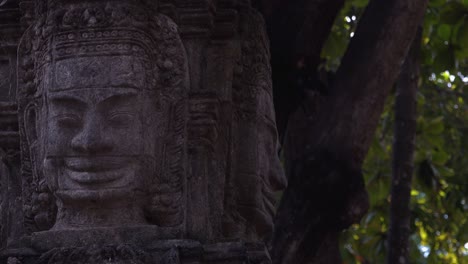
147,134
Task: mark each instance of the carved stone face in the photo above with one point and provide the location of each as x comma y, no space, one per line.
98,149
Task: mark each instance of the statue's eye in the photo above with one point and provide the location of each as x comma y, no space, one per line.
121,119
69,121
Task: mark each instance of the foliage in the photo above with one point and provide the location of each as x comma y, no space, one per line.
439,204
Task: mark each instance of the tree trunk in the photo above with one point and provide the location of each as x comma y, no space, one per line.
325,148
403,152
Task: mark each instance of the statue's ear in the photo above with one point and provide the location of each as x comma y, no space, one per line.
32,134
30,124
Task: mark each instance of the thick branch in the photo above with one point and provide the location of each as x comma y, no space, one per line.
403,151
325,152
367,72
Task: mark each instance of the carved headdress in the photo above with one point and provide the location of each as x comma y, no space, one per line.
101,29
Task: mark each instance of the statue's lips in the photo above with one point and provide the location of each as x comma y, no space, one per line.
89,170
96,164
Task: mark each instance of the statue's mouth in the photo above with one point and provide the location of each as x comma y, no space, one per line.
95,164
96,170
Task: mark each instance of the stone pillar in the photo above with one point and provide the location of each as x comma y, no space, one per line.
10,180
147,134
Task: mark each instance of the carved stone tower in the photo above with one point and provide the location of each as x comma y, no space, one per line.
136,131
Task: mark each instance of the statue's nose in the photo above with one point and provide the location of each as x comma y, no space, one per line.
92,139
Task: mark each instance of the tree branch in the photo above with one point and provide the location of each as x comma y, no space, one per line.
324,153
403,152
368,70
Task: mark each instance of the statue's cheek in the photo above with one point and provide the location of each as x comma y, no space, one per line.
57,136
126,140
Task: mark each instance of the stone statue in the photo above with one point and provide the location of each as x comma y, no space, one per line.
97,70
147,134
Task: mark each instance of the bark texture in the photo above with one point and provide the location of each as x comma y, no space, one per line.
403,156
326,145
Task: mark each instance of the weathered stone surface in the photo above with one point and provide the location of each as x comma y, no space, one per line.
146,133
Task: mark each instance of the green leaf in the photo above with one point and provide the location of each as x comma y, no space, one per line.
334,47
435,140
440,158
435,126
444,31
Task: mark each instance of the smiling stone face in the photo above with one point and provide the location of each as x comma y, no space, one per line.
98,155
102,117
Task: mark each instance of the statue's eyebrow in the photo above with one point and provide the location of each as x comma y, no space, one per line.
67,100
118,99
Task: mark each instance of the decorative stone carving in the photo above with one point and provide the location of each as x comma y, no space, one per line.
95,255
89,151
257,168
161,252
147,134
